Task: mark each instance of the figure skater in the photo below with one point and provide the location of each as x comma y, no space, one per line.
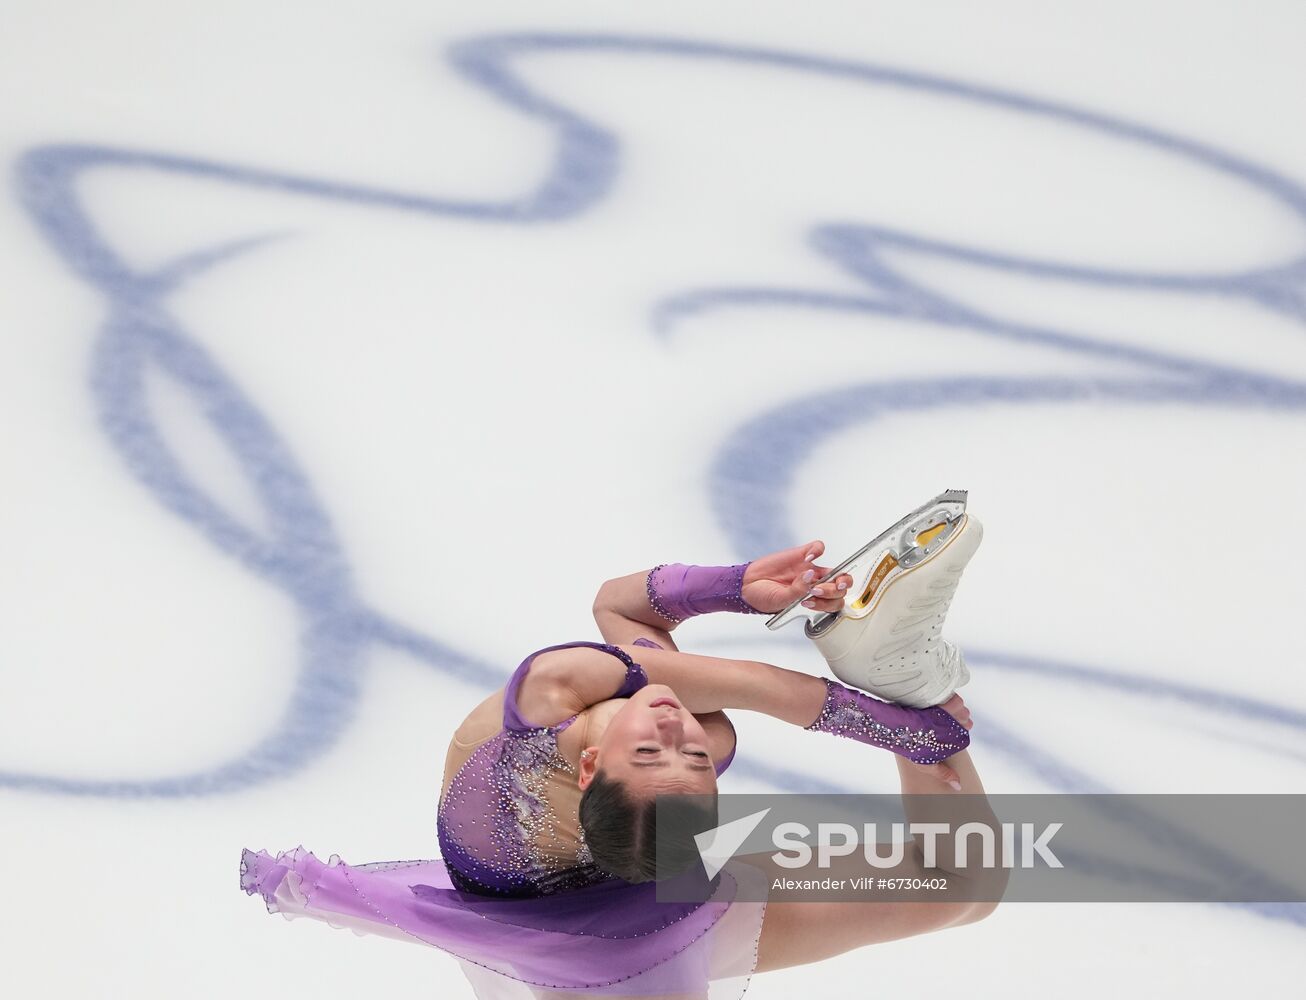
545,887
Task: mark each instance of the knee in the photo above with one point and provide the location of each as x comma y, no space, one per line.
978,911
991,886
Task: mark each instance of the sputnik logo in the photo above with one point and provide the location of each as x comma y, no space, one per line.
718,845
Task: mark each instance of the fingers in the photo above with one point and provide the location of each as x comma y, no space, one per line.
949,777
826,596
955,707
943,773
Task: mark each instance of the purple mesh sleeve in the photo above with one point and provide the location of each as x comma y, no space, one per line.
677,591
922,735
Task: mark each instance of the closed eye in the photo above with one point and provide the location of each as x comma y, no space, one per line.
694,753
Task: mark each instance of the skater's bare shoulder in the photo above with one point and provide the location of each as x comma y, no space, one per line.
481,723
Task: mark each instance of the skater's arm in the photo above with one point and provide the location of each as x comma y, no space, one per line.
571,680
623,613
651,603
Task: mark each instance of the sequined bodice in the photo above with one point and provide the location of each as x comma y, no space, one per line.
508,822
500,826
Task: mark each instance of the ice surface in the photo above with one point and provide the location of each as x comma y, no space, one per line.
342,366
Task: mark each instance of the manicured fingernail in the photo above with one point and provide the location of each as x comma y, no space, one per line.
956,785
809,576
814,592
809,604
810,556
842,585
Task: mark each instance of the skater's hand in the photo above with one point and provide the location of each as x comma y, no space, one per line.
955,707
772,583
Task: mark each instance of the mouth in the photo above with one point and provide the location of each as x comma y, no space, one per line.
664,701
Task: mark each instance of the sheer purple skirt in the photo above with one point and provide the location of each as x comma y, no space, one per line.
610,939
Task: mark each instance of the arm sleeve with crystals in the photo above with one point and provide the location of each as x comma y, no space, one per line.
677,591
922,735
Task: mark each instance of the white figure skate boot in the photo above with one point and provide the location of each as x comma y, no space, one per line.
885,639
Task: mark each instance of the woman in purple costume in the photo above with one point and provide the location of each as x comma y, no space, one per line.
545,883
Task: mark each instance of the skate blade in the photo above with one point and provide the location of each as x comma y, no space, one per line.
907,543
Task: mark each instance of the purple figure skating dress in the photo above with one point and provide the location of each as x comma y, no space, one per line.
515,896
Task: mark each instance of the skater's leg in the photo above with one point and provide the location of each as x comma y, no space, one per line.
797,933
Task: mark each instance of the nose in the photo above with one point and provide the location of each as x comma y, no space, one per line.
669,723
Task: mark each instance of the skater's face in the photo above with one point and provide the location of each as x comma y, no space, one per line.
653,745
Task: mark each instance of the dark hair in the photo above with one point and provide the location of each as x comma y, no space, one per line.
621,831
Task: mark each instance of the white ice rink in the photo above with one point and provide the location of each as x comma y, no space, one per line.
348,350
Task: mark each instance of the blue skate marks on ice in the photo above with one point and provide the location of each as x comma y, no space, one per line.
301,553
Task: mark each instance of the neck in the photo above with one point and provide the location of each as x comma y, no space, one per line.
590,727
597,718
